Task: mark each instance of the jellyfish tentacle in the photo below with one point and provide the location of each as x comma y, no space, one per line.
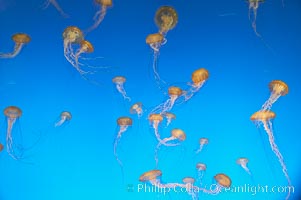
98,18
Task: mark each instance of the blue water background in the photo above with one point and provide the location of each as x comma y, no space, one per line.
76,161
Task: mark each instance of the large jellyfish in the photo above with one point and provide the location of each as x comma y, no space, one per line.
153,177
119,82
72,35
166,19
265,117
169,117
177,135
155,120
198,78
56,5
12,114
278,88
201,169
253,6
174,93
243,163
137,109
65,116
202,141
123,123
20,40
100,15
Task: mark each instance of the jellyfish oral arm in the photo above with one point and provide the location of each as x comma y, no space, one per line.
156,126
121,90
63,119
17,49
272,99
9,138
165,140
200,149
268,129
98,18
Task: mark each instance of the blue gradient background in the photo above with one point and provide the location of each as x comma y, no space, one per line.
76,161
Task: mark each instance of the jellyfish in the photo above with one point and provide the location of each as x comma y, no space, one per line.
65,116
223,181
243,163
137,109
155,41
265,117
56,5
169,116
1,147
119,81
12,114
201,169
253,6
277,88
188,182
20,40
176,135
153,177
123,123
198,78
155,120
100,15
166,19
72,35
174,93
202,141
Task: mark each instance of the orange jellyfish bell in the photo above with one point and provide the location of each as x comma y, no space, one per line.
86,46
188,180
179,134
12,112
199,75
104,2
119,79
150,175
1,147
223,180
201,166
278,87
264,115
154,38
124,121
21,38
155,117
174,91
166,18
73,34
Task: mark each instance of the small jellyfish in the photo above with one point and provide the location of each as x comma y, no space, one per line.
123,123
100,15
56,5
119,82
265,117
189,187
12,114
202,141
176,135
277,88
20,40
137,109
155,120
243,163
153,177
155,41
166,19
169,116
223,181
65,116
71,35
201,169
174,93
253,6
198,78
